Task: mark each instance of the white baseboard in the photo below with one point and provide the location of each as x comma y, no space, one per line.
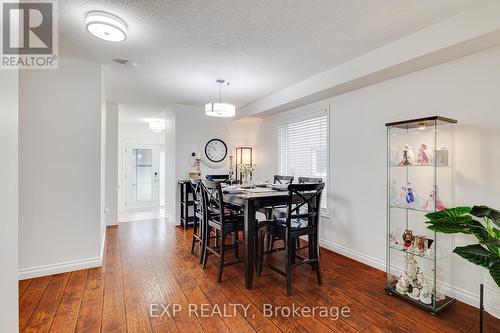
460,294
112,221
358,256
103,245
33,272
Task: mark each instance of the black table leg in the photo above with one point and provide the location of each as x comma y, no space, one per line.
249,242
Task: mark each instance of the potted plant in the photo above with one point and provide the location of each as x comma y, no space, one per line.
482,222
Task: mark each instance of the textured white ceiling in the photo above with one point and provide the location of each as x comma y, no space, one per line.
182,46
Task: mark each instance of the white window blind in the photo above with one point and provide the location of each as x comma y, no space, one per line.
303,149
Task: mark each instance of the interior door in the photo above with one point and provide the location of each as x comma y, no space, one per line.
142,176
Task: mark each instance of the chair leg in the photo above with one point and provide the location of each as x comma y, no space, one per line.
222,249
293,250
206,244
260,251
235,244
195,230
298,243
203,240
318,267
270,241
288,249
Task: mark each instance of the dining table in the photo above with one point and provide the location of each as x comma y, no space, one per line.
250,201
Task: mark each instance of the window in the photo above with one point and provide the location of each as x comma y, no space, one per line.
303,148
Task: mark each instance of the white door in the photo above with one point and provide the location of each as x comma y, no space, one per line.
142,176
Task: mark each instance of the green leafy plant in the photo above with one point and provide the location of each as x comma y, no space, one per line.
480,221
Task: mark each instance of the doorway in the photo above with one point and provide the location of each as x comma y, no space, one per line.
143,177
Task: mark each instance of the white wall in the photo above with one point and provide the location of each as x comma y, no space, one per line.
170,161
111,163
9,200
465,89
193,130
60,226
132,131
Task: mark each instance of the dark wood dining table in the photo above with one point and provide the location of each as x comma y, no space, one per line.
250,202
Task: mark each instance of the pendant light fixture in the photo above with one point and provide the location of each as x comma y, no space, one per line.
219,109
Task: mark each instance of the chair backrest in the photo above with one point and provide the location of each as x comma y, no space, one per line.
217,178
196,190
213,201
285,180
309,180
304,202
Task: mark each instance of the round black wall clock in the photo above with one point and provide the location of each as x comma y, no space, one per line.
216,150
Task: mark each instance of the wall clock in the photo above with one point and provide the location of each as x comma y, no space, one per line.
216,150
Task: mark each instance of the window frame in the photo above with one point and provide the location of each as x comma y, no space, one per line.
306,114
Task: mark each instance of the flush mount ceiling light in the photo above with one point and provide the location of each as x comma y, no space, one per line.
106,26
219,109
157,126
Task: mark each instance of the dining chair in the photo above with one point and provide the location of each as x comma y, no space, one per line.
303,217
224,221
277,179
280,212
199,217
268,211
311,180
217,178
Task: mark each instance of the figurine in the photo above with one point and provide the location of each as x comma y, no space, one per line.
411,269
414,294
402,285
420,242
423,156
426,294
434,202
399,200
407,156
409,197
407,238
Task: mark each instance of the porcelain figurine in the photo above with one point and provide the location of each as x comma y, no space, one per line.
409,196
402,285
434,198
415,293
423,157
426,294
407,238
411,268
408,156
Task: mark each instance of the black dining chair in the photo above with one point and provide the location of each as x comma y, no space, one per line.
217,178
268,211
280,212
303,217
223,221
199,217
309,180
277,179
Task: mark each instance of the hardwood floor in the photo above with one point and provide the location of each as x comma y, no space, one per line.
148,266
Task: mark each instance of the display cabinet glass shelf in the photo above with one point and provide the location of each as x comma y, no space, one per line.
420,169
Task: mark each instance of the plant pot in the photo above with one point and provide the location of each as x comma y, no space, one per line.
491,295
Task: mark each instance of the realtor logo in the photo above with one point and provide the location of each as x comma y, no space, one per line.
29,34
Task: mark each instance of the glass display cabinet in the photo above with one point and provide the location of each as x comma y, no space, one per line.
420,163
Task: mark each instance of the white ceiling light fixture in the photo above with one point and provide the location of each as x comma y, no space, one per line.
157,126
219,109
106,26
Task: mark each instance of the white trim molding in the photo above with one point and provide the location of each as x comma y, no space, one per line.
460,294
33,272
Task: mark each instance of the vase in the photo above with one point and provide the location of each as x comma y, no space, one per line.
491,295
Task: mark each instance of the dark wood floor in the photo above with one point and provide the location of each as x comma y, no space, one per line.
149,263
